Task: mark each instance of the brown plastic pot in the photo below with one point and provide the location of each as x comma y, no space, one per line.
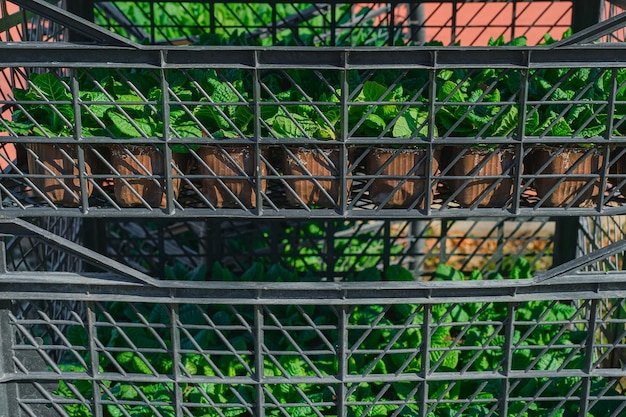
54,161
230,161
477,163
313,163
142,161
408,166
569,164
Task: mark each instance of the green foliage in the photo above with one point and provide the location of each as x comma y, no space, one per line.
130,104
472,103
577,118
383,340
303,248
373,111
228,115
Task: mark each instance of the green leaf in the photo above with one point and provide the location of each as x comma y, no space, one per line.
294,366
521,269
398,273
447,273
561,128
77,336
532,124
219,273
278,273
141,365
191,367
548,361
212,116
187,129
405,390
411,124
375,122
304,411
93,114
125,358
368,274
506,123
51,87
594,130
242,117
124,392
373,91
223,93
441,336
450,92
16,128
381,410
237,411
476,275
114,410
519,41
126,128
255,273
459,313
44,130
295,126
127,102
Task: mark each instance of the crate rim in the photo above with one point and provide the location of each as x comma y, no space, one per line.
67,55
106,287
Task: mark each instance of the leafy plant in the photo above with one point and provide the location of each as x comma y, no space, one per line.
563,85
224,115
471,104
118,104
386,119
384,339
384,103
289,110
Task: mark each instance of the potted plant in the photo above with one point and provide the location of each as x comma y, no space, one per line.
140,169
229,172
398,170
55,166
140,175
400,175
312,171
567,173
228,169
480,173
401,170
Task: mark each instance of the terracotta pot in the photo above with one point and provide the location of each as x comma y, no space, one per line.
408,163
141,161
230,161
567,186
477,163
315,163
55,161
